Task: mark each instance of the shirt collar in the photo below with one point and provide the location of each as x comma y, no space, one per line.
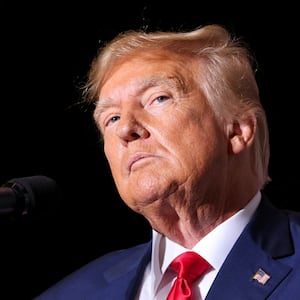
214,247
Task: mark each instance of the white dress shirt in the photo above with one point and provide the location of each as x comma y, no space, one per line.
214,247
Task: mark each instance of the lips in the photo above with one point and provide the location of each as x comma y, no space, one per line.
137,157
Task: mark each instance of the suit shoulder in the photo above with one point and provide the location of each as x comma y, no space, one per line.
95,275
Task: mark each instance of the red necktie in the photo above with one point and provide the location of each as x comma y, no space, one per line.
189,266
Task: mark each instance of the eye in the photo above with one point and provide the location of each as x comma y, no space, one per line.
161,99
107,121
113,119
157,100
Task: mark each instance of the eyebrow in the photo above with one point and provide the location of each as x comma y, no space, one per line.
141,86
171,81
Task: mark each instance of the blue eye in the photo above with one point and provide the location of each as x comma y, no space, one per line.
114,119
161,99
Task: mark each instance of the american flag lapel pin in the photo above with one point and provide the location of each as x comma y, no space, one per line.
261,276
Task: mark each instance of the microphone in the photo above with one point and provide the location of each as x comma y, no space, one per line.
21,196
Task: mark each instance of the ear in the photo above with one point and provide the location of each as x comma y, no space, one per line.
241,134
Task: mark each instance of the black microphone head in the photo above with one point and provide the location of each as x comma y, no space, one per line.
36,194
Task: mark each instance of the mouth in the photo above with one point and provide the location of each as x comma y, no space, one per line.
137,158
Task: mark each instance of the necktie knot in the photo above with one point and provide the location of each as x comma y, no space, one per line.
189,266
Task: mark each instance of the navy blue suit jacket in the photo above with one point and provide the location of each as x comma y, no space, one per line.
271,242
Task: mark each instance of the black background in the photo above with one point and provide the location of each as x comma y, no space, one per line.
46,50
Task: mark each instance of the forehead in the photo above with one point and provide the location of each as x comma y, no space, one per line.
149,69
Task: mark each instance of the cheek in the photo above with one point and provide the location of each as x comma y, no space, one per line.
111,154
198,146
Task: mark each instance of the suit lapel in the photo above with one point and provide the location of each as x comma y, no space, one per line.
252,269
125,276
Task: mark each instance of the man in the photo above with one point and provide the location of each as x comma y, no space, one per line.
186,139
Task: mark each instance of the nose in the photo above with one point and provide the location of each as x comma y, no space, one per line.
130,129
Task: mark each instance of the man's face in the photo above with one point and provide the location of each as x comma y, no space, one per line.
160,137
